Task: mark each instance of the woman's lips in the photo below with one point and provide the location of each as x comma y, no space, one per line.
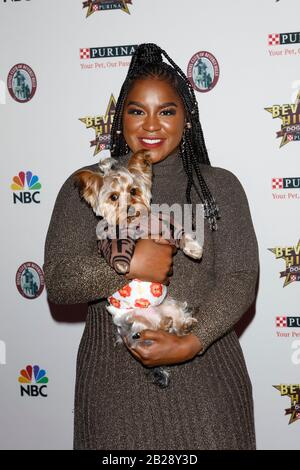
151,143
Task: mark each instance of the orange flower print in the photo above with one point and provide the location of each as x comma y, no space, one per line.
142,303
156,289
114,302
125,291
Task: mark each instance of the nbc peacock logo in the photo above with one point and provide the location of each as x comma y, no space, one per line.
33,381
26,188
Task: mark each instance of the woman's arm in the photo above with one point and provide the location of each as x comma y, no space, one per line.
74,270
236,263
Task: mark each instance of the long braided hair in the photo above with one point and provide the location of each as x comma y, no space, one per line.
147,62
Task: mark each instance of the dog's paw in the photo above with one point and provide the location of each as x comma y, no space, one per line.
188,325
192,248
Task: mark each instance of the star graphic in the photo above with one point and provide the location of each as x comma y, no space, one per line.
293,252
102,126
294,410
93,5
292,116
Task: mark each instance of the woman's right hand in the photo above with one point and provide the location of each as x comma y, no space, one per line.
152,261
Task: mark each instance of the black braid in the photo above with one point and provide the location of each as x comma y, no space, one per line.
147,62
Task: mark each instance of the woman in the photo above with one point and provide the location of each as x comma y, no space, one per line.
208,404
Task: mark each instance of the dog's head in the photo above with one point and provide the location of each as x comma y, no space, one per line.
117,193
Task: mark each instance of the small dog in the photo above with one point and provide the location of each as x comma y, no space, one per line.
121,196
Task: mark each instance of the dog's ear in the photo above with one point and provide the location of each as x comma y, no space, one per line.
140,164
107,164
89,184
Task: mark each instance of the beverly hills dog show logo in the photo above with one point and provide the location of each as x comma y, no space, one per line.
33,382
286,188
291,256
102,127
21,83
104,5
203,71
293,393
290,116
19,184
30,280
94,54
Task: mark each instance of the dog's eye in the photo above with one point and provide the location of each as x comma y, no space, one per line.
133,191
114,197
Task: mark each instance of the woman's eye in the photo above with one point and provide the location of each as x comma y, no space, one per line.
136,112
114,197
169,112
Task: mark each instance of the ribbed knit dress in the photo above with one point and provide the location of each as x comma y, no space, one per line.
208,404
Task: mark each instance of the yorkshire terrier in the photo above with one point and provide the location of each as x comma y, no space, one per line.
121,196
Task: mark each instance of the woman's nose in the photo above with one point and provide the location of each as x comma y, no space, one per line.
151,123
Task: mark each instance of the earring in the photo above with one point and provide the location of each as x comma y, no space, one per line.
126,148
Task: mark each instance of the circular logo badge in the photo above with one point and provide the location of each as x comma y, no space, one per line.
21,83
30,280
203,71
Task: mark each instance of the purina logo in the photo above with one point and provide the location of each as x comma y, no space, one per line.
287,322
34,380
280,39
290,117
102,5
286,183
102,126
291,256
293,392
106,52
290,184
33,184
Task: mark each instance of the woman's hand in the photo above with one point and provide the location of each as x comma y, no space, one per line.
152,260
166,348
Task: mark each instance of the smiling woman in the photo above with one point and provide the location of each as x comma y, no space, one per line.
154,118
208,404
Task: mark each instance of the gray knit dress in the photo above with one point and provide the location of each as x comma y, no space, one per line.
208,404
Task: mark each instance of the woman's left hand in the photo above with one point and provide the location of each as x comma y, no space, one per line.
166,348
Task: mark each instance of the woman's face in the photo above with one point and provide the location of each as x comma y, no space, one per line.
153,118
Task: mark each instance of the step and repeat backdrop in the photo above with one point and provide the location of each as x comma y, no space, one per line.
62,64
